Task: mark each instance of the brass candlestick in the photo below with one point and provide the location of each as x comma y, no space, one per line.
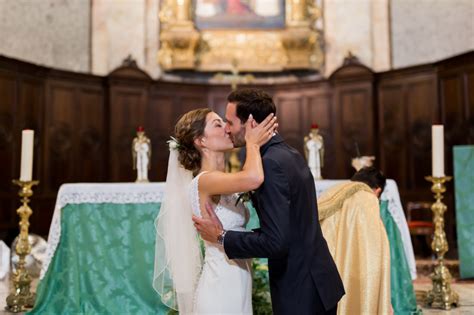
22,299
441,295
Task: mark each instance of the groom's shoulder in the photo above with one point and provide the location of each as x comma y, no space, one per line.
278,154
281,149
275,150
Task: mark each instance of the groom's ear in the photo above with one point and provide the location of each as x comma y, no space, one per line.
254,123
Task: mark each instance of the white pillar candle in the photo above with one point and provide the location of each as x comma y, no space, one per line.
27,138
437,155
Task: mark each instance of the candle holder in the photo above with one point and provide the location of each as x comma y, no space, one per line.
22,299
441,295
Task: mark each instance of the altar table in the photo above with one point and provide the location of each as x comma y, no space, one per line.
102,239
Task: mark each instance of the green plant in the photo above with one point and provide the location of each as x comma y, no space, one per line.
261,299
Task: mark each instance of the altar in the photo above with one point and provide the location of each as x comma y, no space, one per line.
101,247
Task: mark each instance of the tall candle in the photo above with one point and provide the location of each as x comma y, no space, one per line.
27,138
437,155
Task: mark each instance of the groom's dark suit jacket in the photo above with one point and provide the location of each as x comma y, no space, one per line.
302,271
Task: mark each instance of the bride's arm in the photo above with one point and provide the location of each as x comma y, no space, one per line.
251,176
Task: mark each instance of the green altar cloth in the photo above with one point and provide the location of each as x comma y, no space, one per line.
463,157
401,287
104,262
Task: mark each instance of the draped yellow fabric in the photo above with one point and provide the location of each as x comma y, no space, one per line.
351,224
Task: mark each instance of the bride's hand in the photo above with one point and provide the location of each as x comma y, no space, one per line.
261,133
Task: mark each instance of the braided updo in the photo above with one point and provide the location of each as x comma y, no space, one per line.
189,127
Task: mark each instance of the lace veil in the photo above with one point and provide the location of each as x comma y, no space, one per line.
178,259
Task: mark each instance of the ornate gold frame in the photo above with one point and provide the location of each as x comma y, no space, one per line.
183,47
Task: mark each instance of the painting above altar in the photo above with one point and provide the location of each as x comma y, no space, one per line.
243,35
239,14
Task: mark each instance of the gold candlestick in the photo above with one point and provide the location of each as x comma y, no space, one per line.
22,299
441,295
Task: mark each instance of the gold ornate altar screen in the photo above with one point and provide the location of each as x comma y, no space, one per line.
255,35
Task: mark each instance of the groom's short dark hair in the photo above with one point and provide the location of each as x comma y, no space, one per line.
252,101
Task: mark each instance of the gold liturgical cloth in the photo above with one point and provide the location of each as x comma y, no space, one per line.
349,214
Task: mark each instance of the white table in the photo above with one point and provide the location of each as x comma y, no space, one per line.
96,193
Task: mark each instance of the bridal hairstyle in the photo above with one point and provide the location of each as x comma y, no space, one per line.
189,127
252,101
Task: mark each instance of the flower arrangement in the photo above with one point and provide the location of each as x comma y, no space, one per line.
244,197
173,143
261,299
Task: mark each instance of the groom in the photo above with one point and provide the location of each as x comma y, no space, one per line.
303,276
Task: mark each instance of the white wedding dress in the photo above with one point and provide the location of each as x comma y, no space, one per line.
225,285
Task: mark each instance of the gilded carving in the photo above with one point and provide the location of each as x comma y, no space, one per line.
178,36
297,46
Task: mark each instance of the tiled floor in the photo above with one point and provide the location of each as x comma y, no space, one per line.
465,290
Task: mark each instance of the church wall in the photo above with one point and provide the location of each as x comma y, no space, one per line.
361,27
123,28
95,36
47,32
430,30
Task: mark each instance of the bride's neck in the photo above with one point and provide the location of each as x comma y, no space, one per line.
213,161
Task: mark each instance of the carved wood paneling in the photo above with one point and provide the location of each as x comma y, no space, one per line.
159,126
60,153
91,135
421,114
407,109
393,132
319,111
218,100
290,108
456,89
8,146
127,112
30,115
457,104
8,143
354,124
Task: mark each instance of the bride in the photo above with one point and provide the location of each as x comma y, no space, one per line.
196,178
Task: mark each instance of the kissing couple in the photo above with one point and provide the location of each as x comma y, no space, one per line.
201,197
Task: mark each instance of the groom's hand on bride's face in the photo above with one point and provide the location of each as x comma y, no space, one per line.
209,227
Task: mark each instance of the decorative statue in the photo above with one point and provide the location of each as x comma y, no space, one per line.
314,151
141,152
